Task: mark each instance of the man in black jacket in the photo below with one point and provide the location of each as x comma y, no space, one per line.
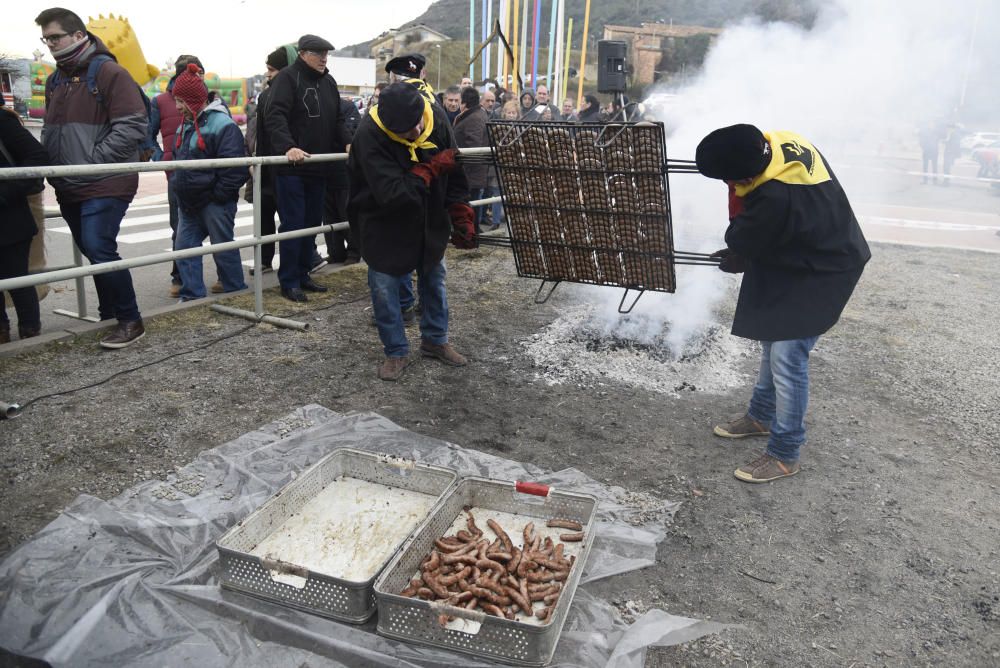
303,117
793,235
408,198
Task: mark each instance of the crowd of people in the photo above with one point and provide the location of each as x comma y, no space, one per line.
96,114
792,231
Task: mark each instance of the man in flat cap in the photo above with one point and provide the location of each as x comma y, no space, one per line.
302,117
794,237
408,197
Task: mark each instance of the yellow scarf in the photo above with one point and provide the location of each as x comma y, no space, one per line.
424,88
793,160
421,141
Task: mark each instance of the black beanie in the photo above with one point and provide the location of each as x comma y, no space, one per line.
733,154
278,59
400,107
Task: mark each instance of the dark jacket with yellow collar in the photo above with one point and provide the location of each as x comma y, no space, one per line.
804,247
404,224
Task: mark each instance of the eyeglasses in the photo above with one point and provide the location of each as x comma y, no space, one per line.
53,39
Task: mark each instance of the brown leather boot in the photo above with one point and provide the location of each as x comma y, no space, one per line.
392,368
443,352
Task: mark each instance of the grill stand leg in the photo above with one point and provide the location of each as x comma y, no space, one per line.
632,305
541,300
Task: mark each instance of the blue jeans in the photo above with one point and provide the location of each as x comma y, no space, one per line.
479,211
94,225
387,307
300,205
781,395
494,191
215,221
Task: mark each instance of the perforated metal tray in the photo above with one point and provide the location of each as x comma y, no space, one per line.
319,593
502,639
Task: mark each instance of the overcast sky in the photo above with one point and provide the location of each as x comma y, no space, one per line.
232,37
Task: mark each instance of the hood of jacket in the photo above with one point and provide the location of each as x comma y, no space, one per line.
530,92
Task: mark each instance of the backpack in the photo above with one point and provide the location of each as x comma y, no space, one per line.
57,78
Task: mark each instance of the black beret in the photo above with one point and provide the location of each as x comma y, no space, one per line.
733,154
408,65
278,59
314,43
400,107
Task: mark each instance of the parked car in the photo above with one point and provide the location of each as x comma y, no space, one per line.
975,140
988,158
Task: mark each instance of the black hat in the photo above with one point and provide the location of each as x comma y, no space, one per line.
278,59
733,154
314,43
400,107
408,65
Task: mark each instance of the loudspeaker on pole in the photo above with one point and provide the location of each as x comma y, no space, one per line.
611,66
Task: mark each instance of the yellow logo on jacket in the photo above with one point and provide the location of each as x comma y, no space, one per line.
793,161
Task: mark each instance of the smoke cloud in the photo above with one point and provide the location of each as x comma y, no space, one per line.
858,82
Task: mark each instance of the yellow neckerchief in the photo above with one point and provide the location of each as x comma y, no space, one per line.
793,160
424,88
421,141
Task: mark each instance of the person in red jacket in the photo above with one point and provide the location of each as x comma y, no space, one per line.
85,126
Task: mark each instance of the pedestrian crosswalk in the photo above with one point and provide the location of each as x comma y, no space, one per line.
148,223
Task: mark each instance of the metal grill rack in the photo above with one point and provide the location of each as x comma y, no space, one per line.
587,203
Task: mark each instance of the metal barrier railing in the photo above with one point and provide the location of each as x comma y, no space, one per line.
79,272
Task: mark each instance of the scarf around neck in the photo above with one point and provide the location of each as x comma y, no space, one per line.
420,142
74,54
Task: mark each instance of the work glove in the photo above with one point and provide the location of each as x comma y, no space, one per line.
463,226
443,162
731,262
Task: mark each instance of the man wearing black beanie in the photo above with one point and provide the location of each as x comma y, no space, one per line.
794,237
408,197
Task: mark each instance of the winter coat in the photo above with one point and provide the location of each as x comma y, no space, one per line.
223,139
80,130
470,131
404,224
338,179
17,225
804,247
164,119
303,111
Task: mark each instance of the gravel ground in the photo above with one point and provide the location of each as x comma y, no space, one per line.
883,551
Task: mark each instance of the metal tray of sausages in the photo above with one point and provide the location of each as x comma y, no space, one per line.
526,641
319,543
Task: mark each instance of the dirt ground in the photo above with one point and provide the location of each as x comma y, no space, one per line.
883,551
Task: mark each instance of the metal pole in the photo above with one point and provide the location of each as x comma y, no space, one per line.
569,50
260,317
583,56
552,50
258,273
81,292
515,47
472,38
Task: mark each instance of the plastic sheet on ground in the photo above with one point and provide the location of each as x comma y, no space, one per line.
131,581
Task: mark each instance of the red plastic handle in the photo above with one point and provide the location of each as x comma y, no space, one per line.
536,488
